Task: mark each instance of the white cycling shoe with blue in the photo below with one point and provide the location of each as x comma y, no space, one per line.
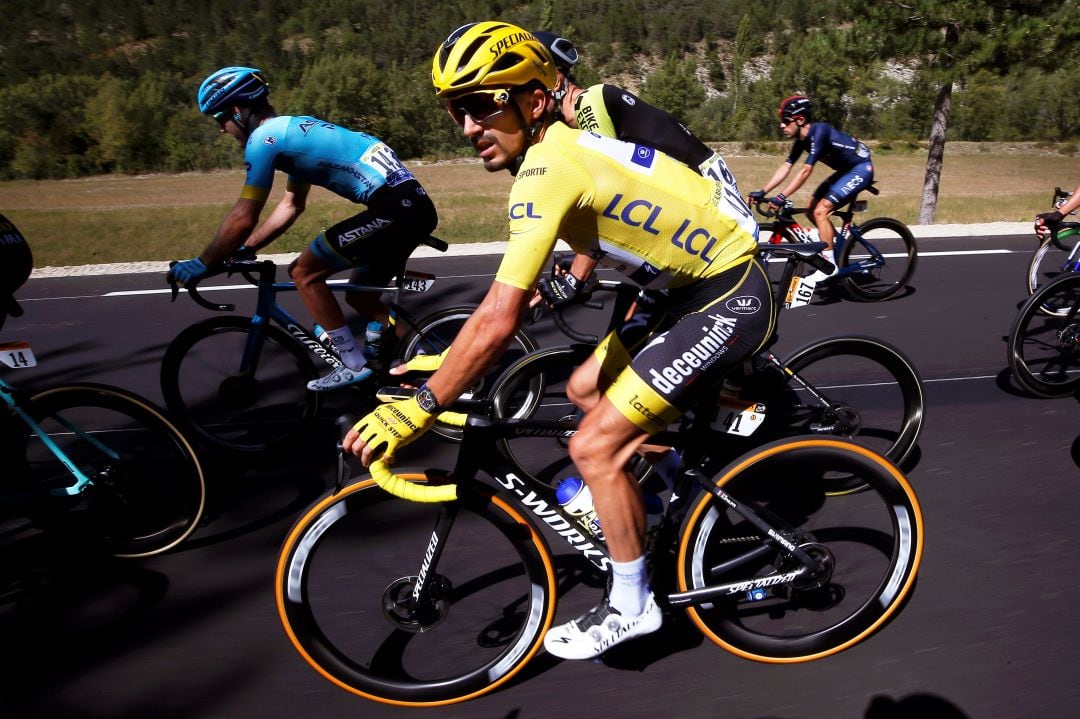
341,377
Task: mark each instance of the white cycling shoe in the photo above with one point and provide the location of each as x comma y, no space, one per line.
599,629
341,377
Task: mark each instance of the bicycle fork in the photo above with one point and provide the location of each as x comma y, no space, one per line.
421,602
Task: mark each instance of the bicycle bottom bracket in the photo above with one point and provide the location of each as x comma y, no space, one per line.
839,419
411,615
1069,338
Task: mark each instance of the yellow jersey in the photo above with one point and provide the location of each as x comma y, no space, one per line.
629,206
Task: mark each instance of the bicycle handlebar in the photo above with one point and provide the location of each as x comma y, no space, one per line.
399,486
265,269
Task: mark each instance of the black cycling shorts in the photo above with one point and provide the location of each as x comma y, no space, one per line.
378,241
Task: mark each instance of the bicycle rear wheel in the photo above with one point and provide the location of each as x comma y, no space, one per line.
347,571
864,390
1050,261
887,252
1044,350
263,409
867,548
435,332
148,491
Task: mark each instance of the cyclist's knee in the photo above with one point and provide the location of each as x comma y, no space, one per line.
823,209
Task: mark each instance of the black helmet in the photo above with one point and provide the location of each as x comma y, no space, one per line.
564,52
796,106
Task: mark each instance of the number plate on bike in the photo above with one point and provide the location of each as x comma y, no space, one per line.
741,418
800,292
417,281
17,355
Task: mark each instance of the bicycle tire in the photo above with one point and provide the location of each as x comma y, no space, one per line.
892,239
869,546
534,387
1043,351
205,392
351,554
1049,262
436,331
148,490
875,396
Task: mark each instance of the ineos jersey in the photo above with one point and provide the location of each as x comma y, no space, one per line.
315,152
834,148
626,205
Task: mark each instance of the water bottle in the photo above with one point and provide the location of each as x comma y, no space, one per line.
373,340
574,496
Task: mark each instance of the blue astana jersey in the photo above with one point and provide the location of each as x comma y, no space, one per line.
310,151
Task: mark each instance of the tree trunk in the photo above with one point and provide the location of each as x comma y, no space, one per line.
936,156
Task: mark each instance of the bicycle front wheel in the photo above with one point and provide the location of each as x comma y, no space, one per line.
345,579
1050,261
856,388
435,332
886,253
865,550
147,491
264,407
1044,350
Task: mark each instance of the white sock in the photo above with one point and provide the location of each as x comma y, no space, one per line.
345,344
629,587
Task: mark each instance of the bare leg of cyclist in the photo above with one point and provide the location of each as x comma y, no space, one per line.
310,275
822,215
603,445
584,389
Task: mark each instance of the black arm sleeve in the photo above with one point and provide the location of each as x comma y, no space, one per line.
637,121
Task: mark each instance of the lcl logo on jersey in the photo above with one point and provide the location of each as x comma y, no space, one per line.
743,305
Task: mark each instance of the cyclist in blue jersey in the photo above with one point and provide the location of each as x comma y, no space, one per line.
356,166
848,158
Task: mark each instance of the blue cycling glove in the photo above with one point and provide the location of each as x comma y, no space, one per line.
778,200
757,196
187,270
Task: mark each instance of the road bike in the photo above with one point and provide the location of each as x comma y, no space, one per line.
447,597
1059,252
854,387
876,259
1044,348
239,383
97,462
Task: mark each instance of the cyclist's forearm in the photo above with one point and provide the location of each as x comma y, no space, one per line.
234,228
280,220
798,180
777,178
481,341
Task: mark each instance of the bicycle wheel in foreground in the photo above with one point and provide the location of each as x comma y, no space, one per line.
867,548
148,490
344,585
255,411
885,239
1044,350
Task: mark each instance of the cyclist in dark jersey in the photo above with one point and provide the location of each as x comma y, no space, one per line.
16,262
846,156
356,166
1046,222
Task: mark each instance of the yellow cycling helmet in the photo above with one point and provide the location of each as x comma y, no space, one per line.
490,54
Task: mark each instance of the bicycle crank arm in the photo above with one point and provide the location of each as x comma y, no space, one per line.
706,594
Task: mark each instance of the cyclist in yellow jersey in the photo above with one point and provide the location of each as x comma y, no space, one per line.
633,208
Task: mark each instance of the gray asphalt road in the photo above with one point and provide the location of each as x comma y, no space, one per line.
990,631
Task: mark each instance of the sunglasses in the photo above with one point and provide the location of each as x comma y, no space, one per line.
481,106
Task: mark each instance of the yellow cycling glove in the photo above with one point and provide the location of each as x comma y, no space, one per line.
393,425
426,363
